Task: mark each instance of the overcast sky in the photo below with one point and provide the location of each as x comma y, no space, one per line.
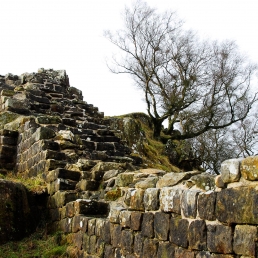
68,34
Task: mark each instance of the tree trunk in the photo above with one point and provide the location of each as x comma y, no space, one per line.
157,126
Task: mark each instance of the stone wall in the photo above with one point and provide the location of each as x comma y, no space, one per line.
97,195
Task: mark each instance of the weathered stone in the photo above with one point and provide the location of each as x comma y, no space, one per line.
151,199
249,168
127,241
179,232
170,199
111,173
219,238
150,248
61,184
63,173
48,120
165,250
189,203
116,233
219,182
245,238
206,205
138,244
90,207
203,181
161,225
171,179
105,233
182,253
114,212
8,117
91,226
230,170
87,185
44,133
125,219
203,254
66,225
149,182
136,220
124,179
59,199
136,202
197,235
80,222
237,205
77,239
147,224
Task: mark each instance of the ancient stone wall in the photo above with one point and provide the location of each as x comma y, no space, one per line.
96,195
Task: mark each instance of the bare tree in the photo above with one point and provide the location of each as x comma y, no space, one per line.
196,85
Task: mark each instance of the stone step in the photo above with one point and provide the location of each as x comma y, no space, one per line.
64,174
61,184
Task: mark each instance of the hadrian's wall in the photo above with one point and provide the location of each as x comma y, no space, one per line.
98,195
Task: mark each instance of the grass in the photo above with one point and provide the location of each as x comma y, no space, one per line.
33,184
37,245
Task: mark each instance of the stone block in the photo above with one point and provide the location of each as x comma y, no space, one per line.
100,223
105,233
219,238
245,238
80,222
148,224
44,133
165,249
91,226
70,209
136,202
59,199
116,234
66,225
136,220
124,179
150,248
237,205
170,199
63,173
127,241
249,168
87,185
109,251
230,170
138,244
206,205
182,253
197,235
61,184
203,254
90,207
125,219
151,199
77,239
161,225
178,234
189,203
114,213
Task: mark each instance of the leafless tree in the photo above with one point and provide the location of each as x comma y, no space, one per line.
197,85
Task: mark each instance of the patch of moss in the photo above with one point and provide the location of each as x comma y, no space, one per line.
113,194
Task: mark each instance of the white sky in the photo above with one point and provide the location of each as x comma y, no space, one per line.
67,34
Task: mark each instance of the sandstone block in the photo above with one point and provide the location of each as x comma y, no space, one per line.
219,182
249,168
219,239
245,237
44,133
114,213
90,207
136,220
150,247
66,225
127,241
80,222
182,253
171,179
151,199
91,226
149,182
189,203
170,199
206,205
136,202
147,224
230,171
138,244
197,235
165,249
124,179
61,184
59,199
125,219
179,232
87,185
63,173
105,233
116,234
237,205
161,225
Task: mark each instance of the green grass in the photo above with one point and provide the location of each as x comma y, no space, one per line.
37,245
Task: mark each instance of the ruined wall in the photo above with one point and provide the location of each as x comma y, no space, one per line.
108,206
